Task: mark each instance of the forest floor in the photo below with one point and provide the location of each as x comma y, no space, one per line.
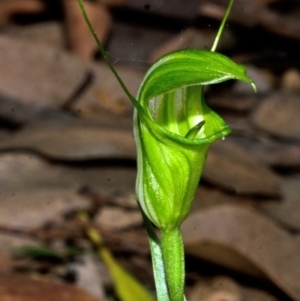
67,148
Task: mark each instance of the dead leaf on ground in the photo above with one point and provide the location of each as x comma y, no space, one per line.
81,40
118,218
235,169
49,33
73,140
235,102
112,3
21,288
219,289
6,262
10,241
36,73
254,15
105,94
17,112
192,39
291,80
272,152
13,7
223,288
206,197
264,81
279,115
34,192
240,126
287,210
244,240
58,75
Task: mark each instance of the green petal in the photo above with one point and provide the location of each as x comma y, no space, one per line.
186,68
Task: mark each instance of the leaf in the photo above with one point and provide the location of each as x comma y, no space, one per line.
127,287
187,68
35,192
72,140
23,288
242,239
287,210
81,42
37,252
245,174
45,253
279,115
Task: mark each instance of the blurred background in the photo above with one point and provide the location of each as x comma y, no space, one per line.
67,147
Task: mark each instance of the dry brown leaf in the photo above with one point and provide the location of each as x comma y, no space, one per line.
192,39
18,112
265,81
73,140
178,42
279,115
35,73
57,75
232,168
237,103
21,288
11,7
81,41
272,152
9,240
34,192
105,94
254,15
223,288
112,3
118,218
242,239
219,289
240,126
6,262
291,80
50,33
287,210
207,197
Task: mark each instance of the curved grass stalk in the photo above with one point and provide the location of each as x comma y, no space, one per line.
221,28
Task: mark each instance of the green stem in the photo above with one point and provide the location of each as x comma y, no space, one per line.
157,262
173,257
220,31
103,52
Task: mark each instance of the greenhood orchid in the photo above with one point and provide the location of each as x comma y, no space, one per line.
173,129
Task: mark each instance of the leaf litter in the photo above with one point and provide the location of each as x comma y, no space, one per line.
58,139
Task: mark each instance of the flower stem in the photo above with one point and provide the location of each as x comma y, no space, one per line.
173,257
157,262
220,31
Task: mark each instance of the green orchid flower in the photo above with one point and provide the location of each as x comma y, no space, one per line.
173,129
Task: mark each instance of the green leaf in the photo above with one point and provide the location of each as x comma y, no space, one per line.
38,252
128,288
